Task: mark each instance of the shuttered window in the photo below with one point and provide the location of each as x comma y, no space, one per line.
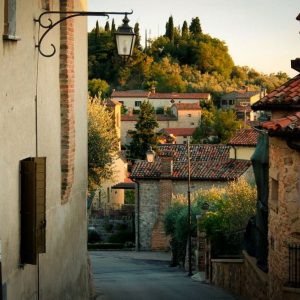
33,208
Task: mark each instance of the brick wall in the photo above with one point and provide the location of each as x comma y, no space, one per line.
66,78
159,240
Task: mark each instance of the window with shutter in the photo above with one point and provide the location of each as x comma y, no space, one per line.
33,212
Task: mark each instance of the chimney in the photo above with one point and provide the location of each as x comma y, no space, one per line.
166,168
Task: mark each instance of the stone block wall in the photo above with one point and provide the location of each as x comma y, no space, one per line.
148,211
284,211
241,277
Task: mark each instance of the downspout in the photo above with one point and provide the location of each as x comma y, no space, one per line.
137,246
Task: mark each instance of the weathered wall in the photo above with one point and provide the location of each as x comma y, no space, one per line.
63,268
241,277
284,211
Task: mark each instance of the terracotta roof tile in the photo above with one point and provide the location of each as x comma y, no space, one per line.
245,137
287,125
221,170
179,96
187,106
239,95
286,97
179,131
199,152
130,94
158,117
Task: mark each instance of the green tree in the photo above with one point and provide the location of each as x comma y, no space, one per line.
97,30
170,29
98,87
185,30
195,27
145,135
103,143
107,27
216,126
137,42
113,26
226,125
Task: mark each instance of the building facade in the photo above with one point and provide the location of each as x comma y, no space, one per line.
43,119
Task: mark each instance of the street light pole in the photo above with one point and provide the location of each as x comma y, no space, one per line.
189,209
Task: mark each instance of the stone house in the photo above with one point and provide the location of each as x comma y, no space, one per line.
157,181
243,143
182,115
132,99
283,202
240,102
43,126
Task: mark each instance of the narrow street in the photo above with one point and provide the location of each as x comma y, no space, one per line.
120,275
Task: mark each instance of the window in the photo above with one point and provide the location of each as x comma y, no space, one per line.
137,103
10,20
294,266
224,102
189,115
184,136
231,102
192,123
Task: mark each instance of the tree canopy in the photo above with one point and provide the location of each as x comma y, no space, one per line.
145,134
186,60
103,143
216,126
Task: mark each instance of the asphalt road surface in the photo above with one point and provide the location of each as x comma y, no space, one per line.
120,275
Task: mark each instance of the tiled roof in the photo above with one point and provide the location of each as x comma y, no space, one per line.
187,106
130,94
220,170
199,152
112,102
158,117
179,131
179,96
241,108
289,125
245,137
239,95
286,97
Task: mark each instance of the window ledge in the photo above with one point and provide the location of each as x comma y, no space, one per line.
10,37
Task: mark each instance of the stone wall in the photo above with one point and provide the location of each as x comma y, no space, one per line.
241,277
284,211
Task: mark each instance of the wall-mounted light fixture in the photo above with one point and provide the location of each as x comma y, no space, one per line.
125,36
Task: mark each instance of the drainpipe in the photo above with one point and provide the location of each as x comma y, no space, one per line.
137,205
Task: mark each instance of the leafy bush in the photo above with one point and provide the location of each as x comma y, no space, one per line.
229,210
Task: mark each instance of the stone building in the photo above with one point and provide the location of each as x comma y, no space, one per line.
132,99
43,127
284,176
157,181
181,115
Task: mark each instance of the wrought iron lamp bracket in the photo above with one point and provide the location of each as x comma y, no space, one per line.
48,23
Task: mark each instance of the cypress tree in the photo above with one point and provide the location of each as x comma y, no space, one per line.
195,27
137,36
184,30
113,26
107,28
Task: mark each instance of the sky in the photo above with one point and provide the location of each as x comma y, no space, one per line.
261,34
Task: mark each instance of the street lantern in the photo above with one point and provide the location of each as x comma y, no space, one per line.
150,155
124,35
125,38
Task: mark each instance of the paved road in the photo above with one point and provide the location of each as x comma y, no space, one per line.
120,275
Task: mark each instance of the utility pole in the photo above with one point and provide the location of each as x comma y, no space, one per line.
189,209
